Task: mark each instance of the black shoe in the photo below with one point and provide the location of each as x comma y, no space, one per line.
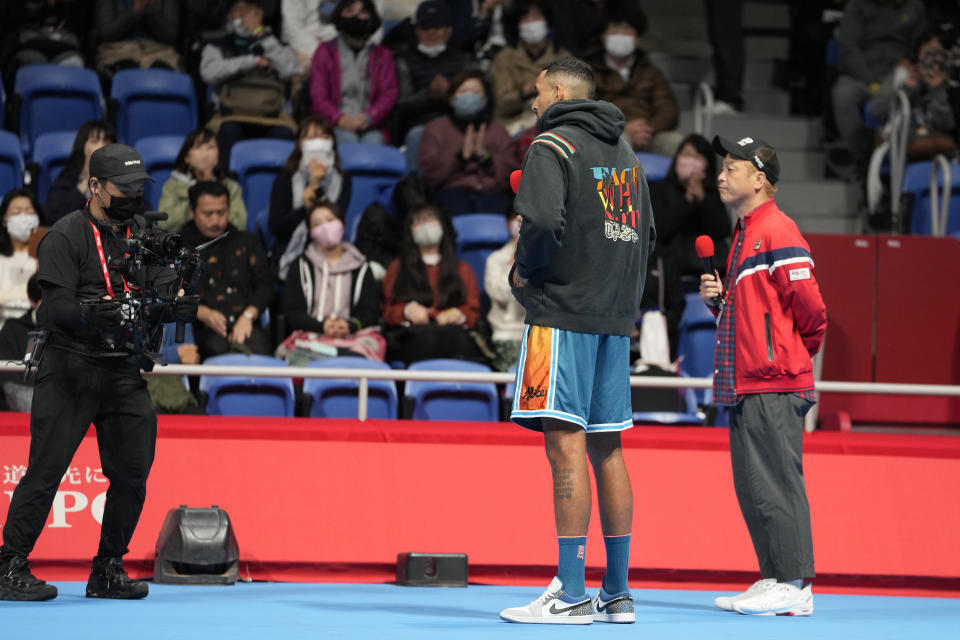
17,583
109,580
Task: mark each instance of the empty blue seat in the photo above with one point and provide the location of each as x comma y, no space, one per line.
54,97
338,398
159,153
479,235
373,169
690,416
257,163
50,153
11,163
263,229
245,395
474,401
697,341
916,180
655,166
153,102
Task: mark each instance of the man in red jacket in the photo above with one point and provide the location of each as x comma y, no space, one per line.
771,322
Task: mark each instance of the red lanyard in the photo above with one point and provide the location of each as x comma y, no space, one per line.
103,260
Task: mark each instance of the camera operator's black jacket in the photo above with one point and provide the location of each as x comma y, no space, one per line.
70,271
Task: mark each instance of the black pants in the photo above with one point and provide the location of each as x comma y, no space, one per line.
725,28
766,440
71,392
210,343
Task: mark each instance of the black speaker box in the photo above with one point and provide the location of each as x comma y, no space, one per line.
196,546
432,569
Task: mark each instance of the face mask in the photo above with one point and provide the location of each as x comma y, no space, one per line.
468,105
122,209
327,235
20,226
355,27
320,149
428,234
619,45
515,227
434,51
533,32
689,166
235,26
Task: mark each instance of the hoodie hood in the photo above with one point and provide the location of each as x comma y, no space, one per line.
602,120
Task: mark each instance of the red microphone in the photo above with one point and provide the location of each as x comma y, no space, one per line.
515,184
704,246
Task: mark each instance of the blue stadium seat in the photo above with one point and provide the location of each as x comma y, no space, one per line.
479,235
697,341
655,166
916,180
337,398
159,154
11,163
50,153
475,401
257,163
54,97
263,229
689,416
3,105
247,396
374,169
153,102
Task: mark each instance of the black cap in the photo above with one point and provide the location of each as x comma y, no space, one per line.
746,149
119,164
433,13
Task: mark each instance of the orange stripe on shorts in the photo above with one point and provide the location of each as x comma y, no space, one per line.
535,384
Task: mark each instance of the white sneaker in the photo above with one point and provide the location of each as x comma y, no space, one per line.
550,609
726,602
782,599
618,608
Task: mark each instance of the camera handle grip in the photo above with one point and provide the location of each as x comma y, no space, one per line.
181,330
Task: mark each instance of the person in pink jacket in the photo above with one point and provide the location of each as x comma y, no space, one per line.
353,82
466,156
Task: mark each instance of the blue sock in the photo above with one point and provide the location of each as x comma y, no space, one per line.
618,562
572,560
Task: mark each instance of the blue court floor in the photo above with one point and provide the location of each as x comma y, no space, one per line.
287,610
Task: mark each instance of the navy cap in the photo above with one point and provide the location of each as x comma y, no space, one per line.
433,13
119,164
746,149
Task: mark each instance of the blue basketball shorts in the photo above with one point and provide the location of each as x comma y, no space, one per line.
583,378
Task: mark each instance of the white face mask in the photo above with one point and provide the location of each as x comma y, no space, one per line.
619,45
432,51
533,32
20,226
427,234
320,149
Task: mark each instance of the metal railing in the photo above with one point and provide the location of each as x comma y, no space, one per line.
703,109
940,199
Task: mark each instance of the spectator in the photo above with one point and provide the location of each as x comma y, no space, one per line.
430,297
514,70
464,156
687,204
380,229
70,191
725,28
236,286
169,393
198,161
579,24
137,34
304,30
312,174
663,293
353,82
249,69
44,33
627,78
934,102
331,300
874,36
505,315
20,214
13,344
424,74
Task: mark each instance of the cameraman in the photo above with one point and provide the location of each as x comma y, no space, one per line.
85,377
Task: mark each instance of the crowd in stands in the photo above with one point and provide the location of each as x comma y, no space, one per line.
448,82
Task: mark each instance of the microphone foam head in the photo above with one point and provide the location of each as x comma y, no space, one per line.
704,245
515,180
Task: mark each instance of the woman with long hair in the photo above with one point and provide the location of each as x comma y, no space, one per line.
431,300
70,191
198,161
19,216
312,174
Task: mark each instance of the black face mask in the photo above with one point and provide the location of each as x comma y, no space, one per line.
123,209
355,27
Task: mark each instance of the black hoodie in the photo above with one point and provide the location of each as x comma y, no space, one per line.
587,227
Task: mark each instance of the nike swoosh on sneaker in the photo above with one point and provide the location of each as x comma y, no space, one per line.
602,606
553,608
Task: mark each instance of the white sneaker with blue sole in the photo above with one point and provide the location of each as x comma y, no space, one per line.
549,608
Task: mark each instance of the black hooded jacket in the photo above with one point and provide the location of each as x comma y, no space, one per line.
587,228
